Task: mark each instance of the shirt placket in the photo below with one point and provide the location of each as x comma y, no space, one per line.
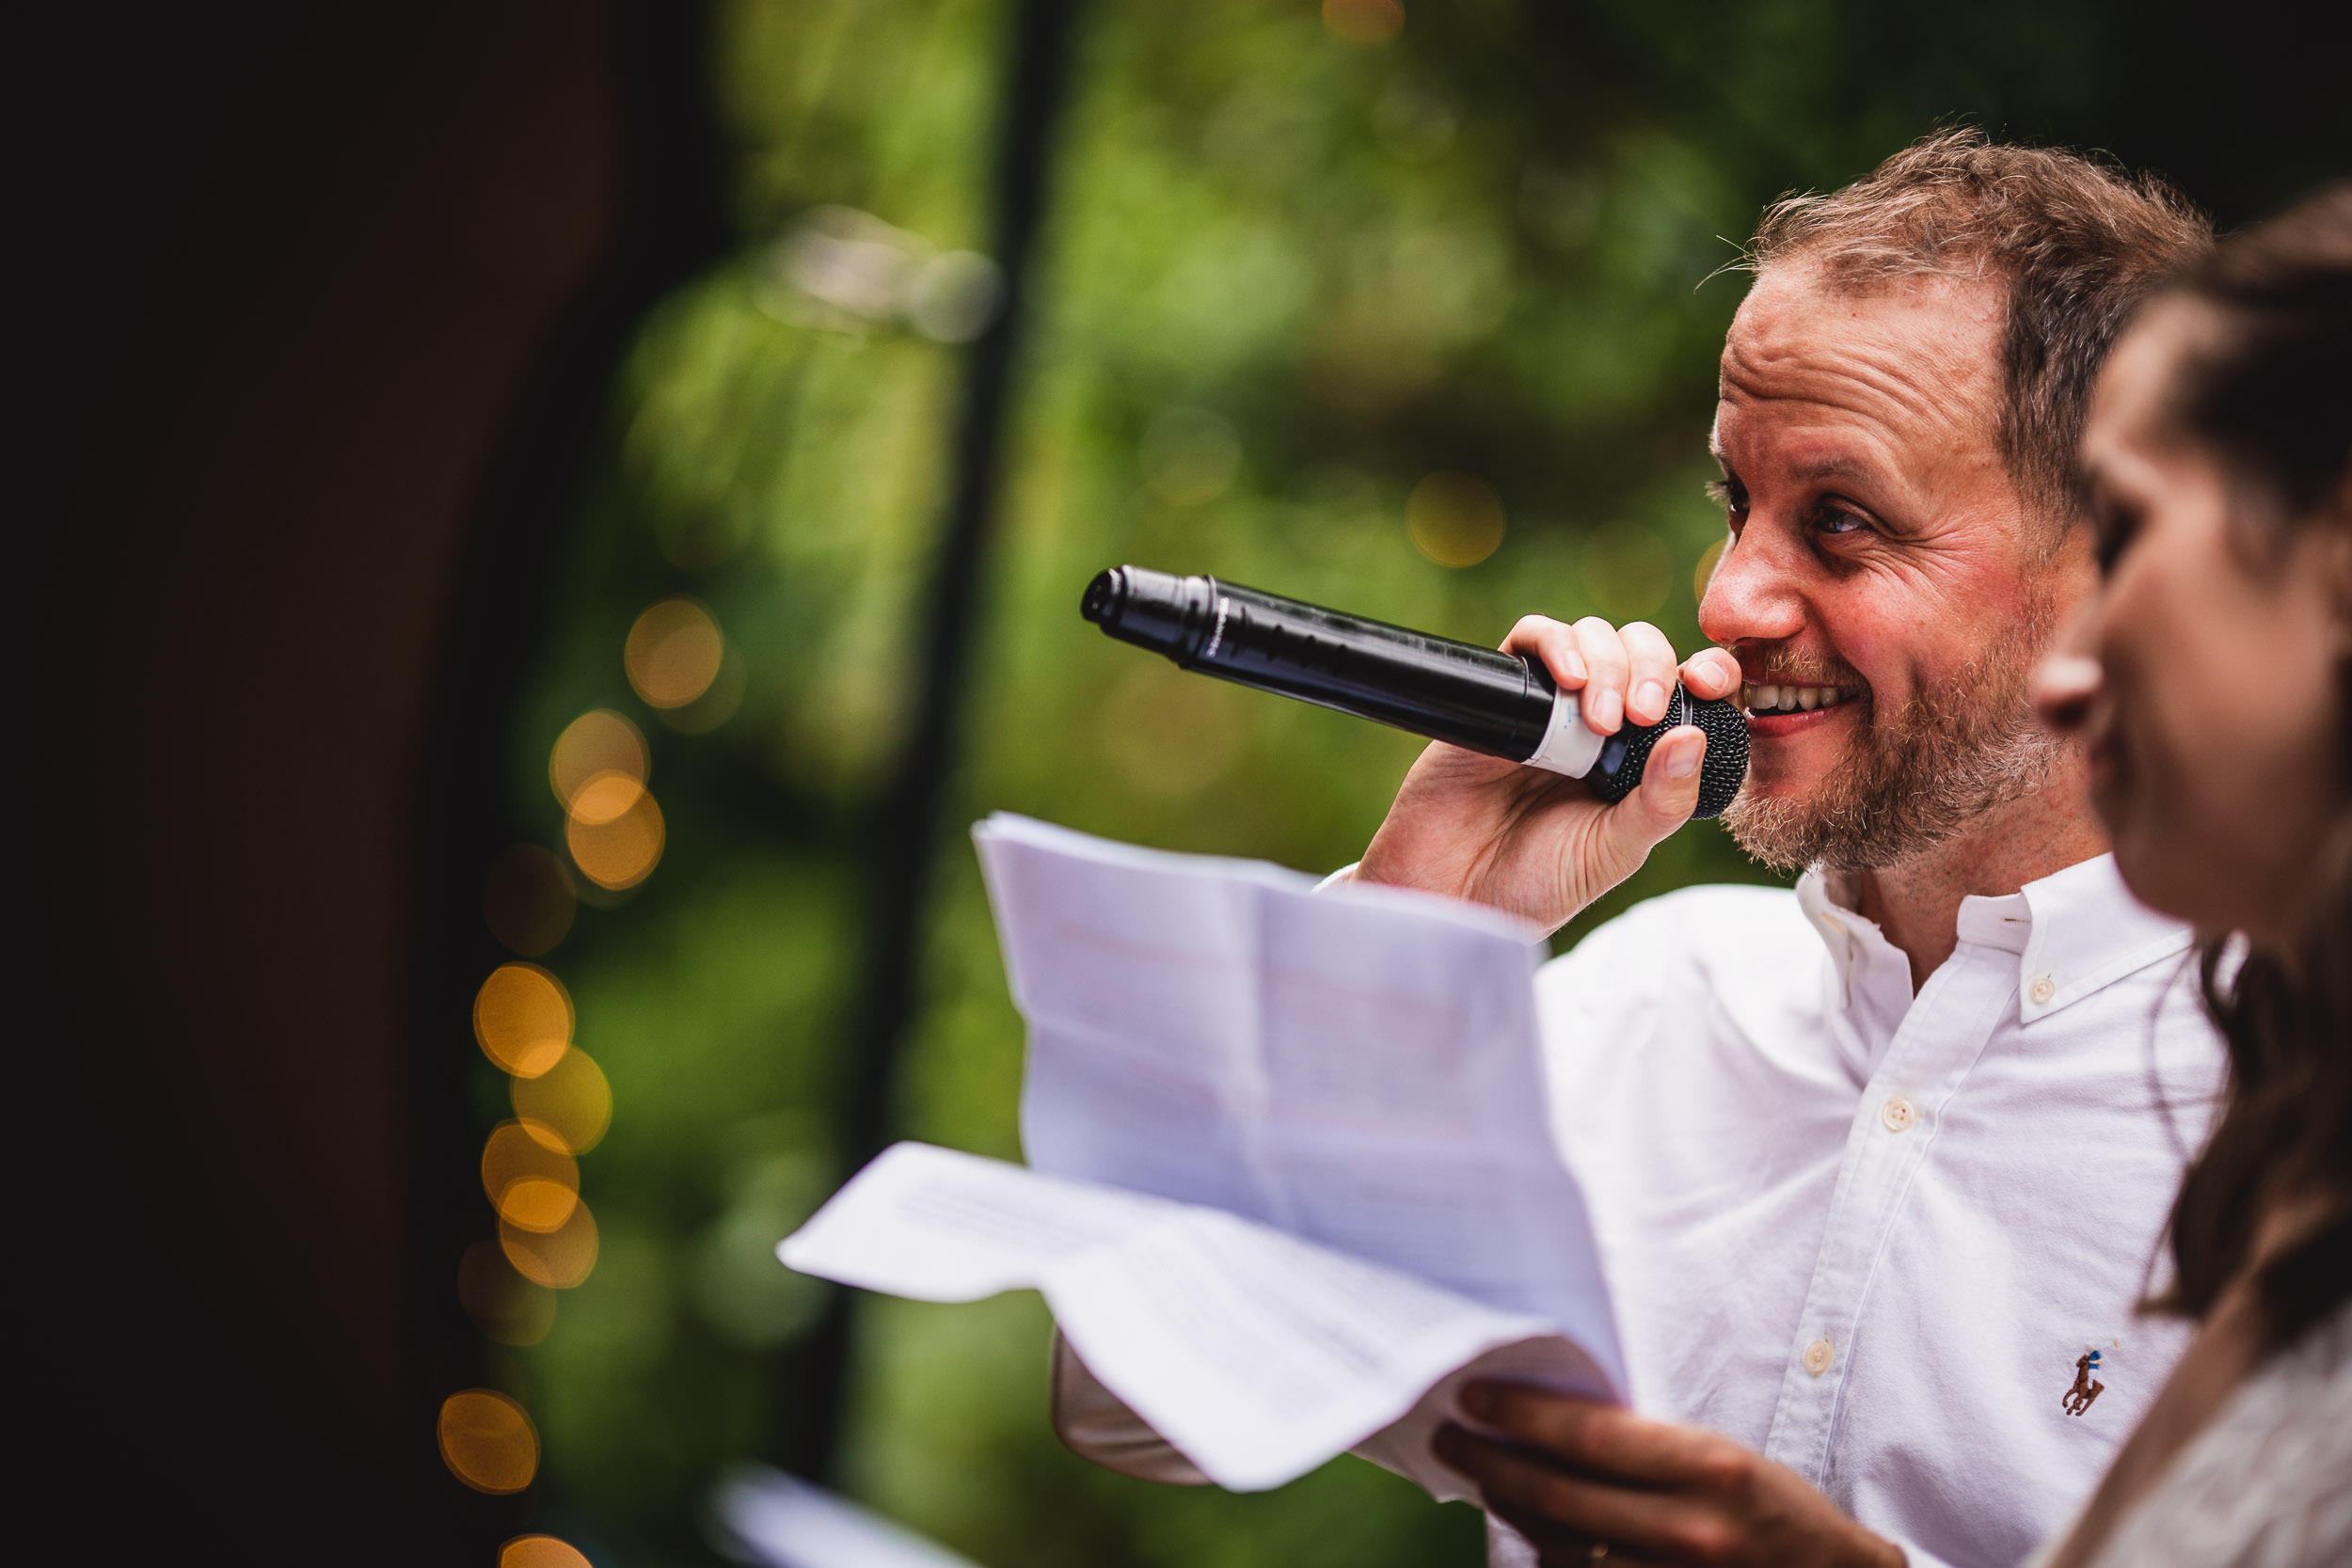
1893,1124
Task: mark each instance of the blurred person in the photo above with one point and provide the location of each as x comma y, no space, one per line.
1876,1166
2211,678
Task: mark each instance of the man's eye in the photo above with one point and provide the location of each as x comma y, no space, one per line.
1729,494
1837,519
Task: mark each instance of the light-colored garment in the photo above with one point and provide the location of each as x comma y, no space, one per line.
1871,1237
2268,1484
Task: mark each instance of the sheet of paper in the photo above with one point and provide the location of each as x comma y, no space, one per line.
1356,1067
1258,1355
778,1521
934,1225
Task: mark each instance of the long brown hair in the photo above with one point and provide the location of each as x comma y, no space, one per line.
2271,395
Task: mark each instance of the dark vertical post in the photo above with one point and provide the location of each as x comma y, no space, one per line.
907,828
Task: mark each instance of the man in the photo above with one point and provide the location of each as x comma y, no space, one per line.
1874,1163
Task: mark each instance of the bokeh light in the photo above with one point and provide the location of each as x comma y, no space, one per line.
570,1101
843,269
1705,572
718,703
1456,519
502,1304
541,1551
523,1018
531,1178
956,297
614,830
558,1259
848,259
1628,571
673,652
527,901
487,1441
1364,21
597,742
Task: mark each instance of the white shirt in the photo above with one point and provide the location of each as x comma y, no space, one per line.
1869,1235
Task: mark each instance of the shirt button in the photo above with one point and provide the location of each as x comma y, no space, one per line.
2043,989
1818,1356
1899,1114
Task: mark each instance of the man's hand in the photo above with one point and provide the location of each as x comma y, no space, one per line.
1578,1475
1537,845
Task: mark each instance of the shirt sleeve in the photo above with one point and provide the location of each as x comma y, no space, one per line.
1091,1419
1096,1425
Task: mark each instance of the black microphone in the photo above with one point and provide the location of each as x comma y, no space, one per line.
1477,698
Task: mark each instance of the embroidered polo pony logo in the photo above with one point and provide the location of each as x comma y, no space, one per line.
2086,1385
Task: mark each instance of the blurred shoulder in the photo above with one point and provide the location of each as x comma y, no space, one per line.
1724,941
1708,925
1704,965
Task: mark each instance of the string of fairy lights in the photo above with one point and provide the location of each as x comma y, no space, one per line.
600,769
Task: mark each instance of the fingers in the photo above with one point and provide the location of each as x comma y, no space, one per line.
1650,681
1552,1508
1623,672
1569,1472
1711,672
1552,641
1608,1438
1561,1548
1665,798
1558,1548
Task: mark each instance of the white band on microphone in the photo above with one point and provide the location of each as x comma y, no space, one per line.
1569,746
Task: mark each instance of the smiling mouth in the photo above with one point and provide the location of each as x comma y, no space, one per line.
1762,699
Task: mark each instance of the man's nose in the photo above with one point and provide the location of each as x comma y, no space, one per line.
1754,595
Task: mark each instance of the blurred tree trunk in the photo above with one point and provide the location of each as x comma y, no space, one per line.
329,298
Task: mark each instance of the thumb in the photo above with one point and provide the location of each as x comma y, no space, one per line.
1666,797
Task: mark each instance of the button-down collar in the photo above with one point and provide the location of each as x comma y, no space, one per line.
2088,932
2072,931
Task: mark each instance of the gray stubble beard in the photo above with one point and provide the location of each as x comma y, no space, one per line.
1909,782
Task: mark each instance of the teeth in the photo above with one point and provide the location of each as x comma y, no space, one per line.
1764,697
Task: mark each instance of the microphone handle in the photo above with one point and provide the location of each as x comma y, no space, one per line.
1476,698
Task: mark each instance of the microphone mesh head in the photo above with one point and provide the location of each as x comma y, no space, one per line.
1727,765
1720,775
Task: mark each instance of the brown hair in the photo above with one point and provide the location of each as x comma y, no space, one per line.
2266,394
2080,244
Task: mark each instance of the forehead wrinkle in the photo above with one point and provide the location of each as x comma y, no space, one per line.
1904,360
1817,449
1860,441
1830,467
1877,387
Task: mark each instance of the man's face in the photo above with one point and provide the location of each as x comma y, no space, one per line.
1885,589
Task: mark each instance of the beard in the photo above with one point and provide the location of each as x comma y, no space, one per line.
1910,780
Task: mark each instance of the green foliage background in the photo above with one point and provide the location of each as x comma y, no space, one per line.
1284,277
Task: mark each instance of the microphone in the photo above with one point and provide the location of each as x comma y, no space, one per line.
1476,698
